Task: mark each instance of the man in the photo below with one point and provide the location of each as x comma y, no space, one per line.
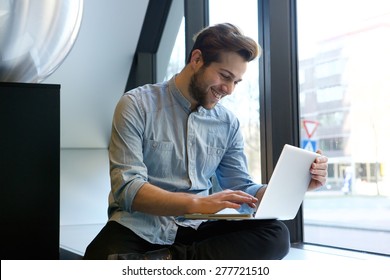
167,141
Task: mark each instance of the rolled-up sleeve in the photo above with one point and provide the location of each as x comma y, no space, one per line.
127,171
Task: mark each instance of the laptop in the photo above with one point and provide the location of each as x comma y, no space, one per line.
285,191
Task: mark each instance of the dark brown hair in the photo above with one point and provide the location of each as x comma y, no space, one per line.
224,37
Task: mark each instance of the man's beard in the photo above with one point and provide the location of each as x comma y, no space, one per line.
196,89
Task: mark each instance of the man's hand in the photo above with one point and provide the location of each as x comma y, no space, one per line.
224,199
319,172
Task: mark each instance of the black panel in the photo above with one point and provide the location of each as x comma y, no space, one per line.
30,170
279,104
148,43
196,14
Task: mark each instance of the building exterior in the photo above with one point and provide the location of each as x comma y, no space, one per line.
344,88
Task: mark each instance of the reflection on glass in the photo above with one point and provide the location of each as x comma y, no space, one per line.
344,87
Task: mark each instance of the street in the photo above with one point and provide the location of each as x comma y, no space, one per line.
353,222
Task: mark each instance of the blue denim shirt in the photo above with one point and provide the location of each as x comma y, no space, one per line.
157,139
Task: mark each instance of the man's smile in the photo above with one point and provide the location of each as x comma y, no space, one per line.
216,94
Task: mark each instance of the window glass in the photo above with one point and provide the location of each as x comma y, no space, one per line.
344,83
244,101
177,58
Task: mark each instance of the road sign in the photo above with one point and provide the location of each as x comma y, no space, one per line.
310,145
310,127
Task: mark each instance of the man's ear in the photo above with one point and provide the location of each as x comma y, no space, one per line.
196,56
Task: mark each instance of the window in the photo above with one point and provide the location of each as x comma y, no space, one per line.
351,105
244,101
177,58
333,93
327,69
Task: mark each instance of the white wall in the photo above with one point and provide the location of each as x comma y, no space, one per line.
92,79
94,74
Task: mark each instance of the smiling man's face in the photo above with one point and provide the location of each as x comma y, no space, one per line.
210,84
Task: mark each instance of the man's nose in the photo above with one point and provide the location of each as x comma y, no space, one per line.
228,87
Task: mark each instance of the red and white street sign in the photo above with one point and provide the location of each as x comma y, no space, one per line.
310,127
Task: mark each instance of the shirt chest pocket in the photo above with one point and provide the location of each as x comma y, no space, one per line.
211,161
158,157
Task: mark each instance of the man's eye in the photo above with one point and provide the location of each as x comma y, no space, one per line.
226,77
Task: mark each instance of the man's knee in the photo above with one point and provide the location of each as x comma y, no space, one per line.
281,242
274,241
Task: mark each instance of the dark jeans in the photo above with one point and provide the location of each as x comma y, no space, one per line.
214,240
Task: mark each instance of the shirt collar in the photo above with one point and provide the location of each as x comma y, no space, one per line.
179,97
